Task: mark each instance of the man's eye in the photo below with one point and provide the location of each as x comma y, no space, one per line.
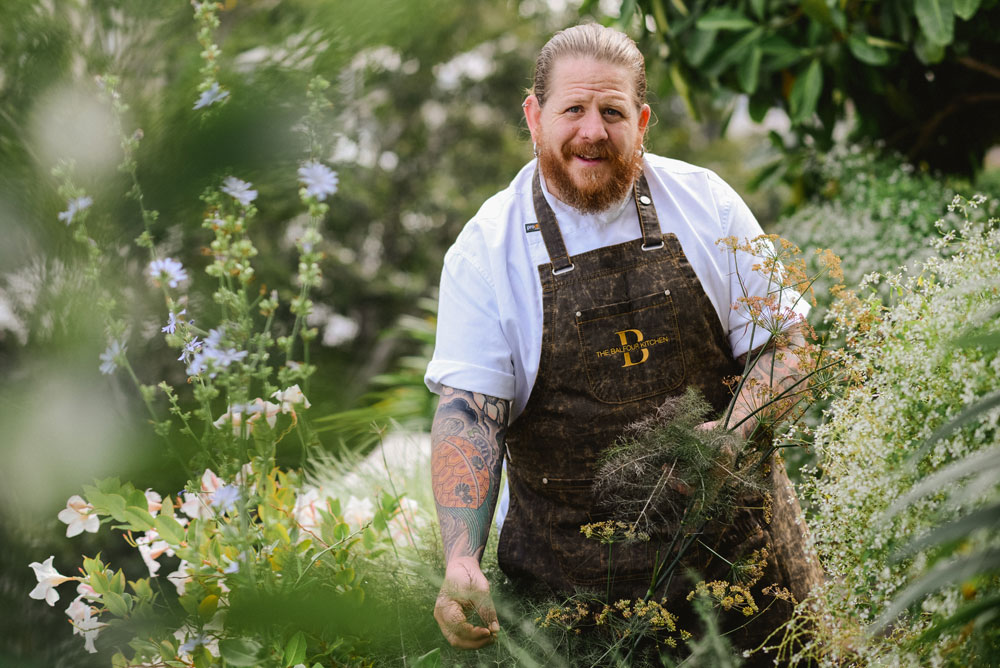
575,109
612,112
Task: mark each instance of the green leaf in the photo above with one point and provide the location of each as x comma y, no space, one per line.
115,604
295,650
344,577
818,11
927,51
169,529
138,519
368,538
240,651
724,18
966,9
936,19
431,659
748,70
699,46
758,7
865,51
805,92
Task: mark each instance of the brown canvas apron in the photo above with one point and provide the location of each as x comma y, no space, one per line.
624,327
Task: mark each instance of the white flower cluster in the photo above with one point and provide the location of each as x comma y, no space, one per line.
259,409
914,381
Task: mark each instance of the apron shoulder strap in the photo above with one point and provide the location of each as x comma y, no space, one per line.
551,235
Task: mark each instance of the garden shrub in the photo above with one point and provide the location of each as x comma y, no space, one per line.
907,379
875,211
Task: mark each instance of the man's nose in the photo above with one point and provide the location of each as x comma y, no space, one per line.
592,126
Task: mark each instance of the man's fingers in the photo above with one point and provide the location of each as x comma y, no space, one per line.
488,614
451,617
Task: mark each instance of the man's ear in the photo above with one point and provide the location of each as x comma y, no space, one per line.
533,115
644,115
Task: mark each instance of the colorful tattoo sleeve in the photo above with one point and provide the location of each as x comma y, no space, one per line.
467,447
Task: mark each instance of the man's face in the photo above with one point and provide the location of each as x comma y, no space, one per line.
588,133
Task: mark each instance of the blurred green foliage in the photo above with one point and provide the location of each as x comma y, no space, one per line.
920,75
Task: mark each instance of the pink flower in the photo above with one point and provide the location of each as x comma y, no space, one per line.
80,516
151,548
155,502
48,579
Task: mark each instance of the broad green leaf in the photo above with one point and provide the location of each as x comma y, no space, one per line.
139,519
758,7
936,19
736,53
748,70
208,606
927,51
818,11
866,52
344,577
93,566
699,46
431,659
116,583
142,589
115,604
240,651
295,650
805,92
169,529
943,574
966,9
724,18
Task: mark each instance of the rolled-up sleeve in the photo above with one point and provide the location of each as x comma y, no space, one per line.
470,352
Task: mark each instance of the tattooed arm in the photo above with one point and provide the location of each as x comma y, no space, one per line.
467,447
776,370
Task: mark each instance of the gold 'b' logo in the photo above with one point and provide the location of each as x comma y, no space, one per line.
623,335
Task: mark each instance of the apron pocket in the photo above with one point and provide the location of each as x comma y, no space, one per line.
632,349
587,562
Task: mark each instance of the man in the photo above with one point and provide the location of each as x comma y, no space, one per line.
573,304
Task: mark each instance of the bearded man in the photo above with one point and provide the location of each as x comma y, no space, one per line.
571,305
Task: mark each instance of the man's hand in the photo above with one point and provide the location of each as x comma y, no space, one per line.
466,589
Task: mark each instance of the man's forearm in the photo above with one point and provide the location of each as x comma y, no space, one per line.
775,379
467,447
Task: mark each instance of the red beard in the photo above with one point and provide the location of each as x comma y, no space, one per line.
602,188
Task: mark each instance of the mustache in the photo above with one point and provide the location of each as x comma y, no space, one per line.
601,149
